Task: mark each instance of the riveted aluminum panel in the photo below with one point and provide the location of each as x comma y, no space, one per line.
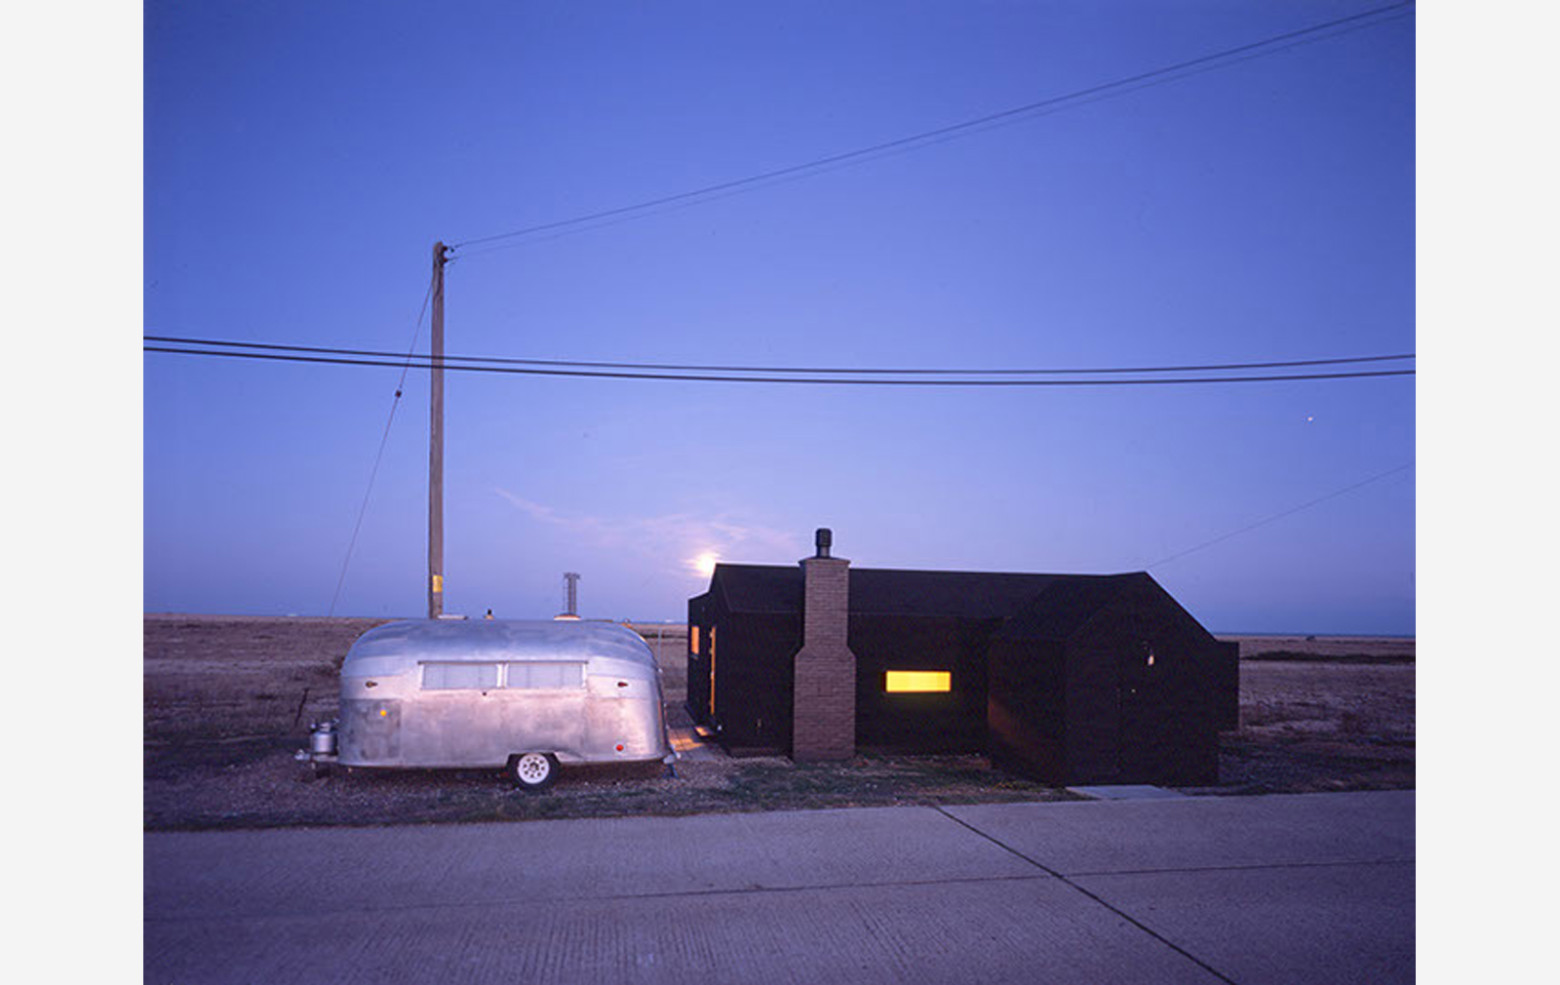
391,716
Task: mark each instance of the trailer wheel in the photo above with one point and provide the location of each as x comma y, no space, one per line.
534,770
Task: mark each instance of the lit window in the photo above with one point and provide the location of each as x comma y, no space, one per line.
542,674
456,676
900,681
693,639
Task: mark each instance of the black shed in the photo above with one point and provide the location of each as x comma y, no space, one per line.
1068,678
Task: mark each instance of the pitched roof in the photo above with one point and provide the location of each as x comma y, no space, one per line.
758,587
1053,604
1059,611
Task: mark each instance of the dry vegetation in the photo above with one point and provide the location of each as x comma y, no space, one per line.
228,700
1321,714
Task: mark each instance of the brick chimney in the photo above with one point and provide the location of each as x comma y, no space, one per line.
824,709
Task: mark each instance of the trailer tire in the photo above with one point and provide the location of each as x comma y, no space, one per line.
534,770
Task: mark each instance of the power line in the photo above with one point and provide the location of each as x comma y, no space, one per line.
384,439
1279,516
706,368
816,381
1140,80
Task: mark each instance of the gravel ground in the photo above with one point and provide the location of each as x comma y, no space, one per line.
228,700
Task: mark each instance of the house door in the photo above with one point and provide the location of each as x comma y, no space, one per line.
1145,748
712,675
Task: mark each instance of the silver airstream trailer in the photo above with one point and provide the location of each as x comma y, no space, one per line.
524,696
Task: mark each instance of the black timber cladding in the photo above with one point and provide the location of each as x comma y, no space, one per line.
1050,673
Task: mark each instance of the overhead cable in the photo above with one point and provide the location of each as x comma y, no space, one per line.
707,368
1279,516
797,380
1156,76
379,455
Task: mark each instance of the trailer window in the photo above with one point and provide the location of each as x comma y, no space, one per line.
455,676
545,675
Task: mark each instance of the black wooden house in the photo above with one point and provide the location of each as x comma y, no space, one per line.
1069,678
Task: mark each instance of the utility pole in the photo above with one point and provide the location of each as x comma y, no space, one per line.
436,443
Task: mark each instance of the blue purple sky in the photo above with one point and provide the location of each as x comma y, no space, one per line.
301,159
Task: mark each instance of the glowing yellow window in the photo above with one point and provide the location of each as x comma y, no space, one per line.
918,680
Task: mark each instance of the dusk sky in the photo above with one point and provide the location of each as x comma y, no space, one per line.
301,159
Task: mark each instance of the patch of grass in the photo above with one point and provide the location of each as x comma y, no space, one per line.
880,781
1354,725
199,756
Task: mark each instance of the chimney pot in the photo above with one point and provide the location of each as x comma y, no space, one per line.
824,539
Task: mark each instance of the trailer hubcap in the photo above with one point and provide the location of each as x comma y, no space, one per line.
533,767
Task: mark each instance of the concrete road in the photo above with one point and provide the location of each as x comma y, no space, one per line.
1302,889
